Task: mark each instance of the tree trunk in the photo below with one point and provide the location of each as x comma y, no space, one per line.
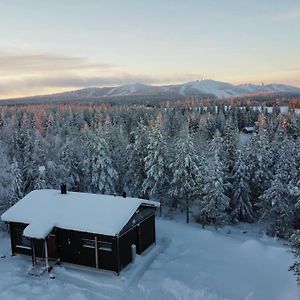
187,211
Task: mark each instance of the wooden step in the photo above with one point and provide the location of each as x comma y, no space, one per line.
38,270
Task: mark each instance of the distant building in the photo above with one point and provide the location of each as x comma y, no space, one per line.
93,230
248,130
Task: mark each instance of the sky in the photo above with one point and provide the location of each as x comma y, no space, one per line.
53,46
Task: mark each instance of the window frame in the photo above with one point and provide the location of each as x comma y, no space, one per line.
22,242
105,246
88,243
102,246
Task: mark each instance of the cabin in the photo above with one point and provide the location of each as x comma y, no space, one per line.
99,231
248,130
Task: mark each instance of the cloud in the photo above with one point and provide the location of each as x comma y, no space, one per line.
292,14
49,84
72,81
35,63
69,80
28,73
294,69
24,74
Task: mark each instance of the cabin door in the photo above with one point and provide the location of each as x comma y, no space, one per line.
52,246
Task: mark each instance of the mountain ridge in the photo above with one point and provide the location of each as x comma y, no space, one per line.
204,87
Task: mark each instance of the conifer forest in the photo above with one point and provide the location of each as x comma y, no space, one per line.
192,158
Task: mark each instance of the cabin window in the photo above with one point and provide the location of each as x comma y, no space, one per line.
21,240
86,243
105,246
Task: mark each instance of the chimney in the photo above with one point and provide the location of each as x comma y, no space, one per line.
63,188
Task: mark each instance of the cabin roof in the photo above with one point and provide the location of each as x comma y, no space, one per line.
45,209
249,128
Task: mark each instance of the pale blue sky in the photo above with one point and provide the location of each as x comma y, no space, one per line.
49,46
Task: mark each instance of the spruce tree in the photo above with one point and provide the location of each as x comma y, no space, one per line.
6,183
184,188
277,203
295,244
117,139
74,161
40,182
261,166
136,153
16,182
215,202
241,199
156,166
103,174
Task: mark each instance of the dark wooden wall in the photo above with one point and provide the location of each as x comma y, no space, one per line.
142,235
71,249
38,244
13,227
125,241
147,233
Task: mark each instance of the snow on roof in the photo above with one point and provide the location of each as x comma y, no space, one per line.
45,209
249,128
39,229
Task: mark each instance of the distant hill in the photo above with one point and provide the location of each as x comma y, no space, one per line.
198,88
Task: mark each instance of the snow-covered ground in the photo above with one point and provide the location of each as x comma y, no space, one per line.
187,263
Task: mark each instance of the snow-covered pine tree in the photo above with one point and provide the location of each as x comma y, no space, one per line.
40,182
16,182
277,204
118,142
278,139
28,166
103,174
136,153
261,166
156,166
55,174
293,126
295,244
69,163
184,186
241,205
6,182
215,202
230,144
230,147
34,156
74,162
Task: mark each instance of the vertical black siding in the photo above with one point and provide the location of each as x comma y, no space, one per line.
146,233
125,241
38,244
12,238
142,235
15,249
39,247
70,249
108,260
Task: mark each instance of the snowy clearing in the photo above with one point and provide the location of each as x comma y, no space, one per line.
187,263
